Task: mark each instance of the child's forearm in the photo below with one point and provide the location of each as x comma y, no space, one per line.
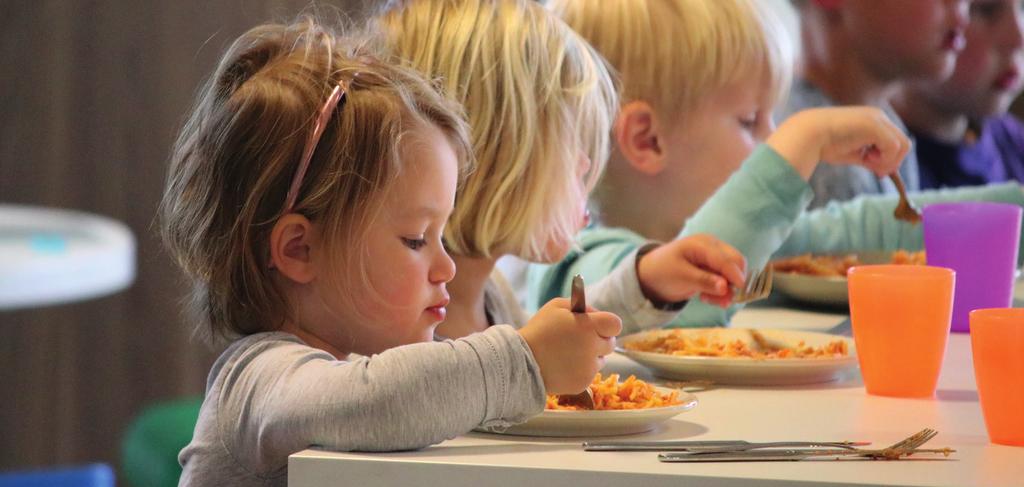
606,260
601,251
404,398
755,209
799,142
867,222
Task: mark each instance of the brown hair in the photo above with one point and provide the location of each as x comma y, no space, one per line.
238,151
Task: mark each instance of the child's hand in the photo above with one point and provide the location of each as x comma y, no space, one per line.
569,346
841,135
698,264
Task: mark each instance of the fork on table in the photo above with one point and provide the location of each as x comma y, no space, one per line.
904,448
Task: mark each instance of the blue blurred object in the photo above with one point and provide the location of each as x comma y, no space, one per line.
94,475
48,243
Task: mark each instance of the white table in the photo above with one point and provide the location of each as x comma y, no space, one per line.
836,411
50,256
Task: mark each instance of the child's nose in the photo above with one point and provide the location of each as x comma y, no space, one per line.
443,268
960,12
1013,38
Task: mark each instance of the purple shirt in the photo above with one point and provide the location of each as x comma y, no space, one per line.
997,156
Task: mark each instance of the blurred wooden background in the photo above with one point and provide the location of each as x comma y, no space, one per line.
91,96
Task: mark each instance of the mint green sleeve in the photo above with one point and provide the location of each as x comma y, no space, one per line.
600,250
754,212
867,223
606,258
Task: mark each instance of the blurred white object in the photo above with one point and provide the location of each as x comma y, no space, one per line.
52,256
515,271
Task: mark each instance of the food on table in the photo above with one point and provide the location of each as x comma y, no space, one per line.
837,265
695,344
610,394
908,258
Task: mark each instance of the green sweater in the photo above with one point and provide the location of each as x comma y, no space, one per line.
760,211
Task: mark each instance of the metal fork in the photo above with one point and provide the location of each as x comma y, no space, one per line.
905,210
578,302
909,444
903,448
758,286
711,445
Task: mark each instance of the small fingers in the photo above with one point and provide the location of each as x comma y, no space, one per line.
894,148
705,282
888,147
720,301
711,253
733,265
605,324
558,303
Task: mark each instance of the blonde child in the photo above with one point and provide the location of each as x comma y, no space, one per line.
694,153
963,134
858,53
306,200
540,103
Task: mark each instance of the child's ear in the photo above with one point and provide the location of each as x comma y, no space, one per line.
291,244
637,136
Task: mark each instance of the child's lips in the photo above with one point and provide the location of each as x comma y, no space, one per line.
954,41
439,313
1009,80
439,310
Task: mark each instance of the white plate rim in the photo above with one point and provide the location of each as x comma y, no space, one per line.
559,423
737,361
746,371
689,402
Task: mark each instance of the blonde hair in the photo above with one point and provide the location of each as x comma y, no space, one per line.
238,151
674,53
537,98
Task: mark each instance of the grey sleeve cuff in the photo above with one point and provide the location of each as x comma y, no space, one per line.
619,292
514,386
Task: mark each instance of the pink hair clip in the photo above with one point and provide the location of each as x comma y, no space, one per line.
314,139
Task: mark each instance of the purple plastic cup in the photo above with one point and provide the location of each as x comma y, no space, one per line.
979,241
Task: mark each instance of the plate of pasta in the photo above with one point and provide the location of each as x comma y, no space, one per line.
621,408
742,356
821,279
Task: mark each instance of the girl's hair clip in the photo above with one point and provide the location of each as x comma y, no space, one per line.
314,138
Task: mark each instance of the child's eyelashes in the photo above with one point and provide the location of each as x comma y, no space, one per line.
414,243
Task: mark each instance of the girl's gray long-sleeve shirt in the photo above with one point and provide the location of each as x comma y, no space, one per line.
270,395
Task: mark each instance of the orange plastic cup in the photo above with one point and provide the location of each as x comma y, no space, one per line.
997,341
900,316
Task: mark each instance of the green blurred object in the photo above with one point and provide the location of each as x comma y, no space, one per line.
149,452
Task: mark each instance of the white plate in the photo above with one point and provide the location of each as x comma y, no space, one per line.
747,371
828,290
832,291
599,423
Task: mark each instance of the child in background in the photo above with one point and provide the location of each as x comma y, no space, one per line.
540,103
857,53
306,199
963,135
728,61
